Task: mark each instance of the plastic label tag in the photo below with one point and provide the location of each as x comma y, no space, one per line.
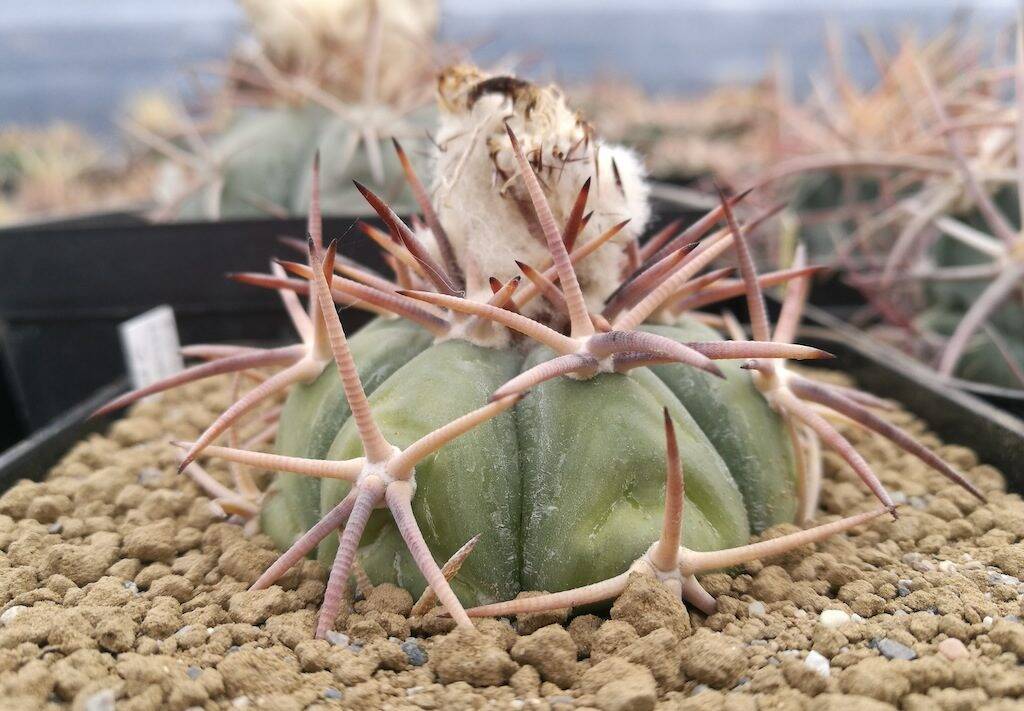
151,347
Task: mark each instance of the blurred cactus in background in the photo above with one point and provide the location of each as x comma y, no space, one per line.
911,190
341,78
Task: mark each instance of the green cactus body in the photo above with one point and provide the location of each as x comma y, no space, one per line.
264,157
568,486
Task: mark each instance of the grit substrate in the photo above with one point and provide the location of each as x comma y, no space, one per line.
120,587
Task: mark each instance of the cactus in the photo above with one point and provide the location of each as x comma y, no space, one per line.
327,39
945,262
846,156
259,165
531,423
314,82
908,188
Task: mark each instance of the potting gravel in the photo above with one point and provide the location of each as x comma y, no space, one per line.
120,588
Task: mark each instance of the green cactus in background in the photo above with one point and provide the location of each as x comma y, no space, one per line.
262,164
315,81
911,189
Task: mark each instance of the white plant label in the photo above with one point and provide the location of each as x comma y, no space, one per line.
151,347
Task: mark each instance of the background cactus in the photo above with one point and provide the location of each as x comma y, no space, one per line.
425,416
910,189
313,81
846,154
261,162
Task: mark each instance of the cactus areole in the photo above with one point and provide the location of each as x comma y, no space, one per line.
536,385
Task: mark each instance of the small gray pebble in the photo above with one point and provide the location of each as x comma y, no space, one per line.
699,689
413,650
55,527
902,591
1002,579
149,475
338,639
331,693
193,672
561,700
892,649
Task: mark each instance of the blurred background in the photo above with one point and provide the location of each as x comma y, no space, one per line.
80,60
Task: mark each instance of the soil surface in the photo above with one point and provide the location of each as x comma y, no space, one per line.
121,588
